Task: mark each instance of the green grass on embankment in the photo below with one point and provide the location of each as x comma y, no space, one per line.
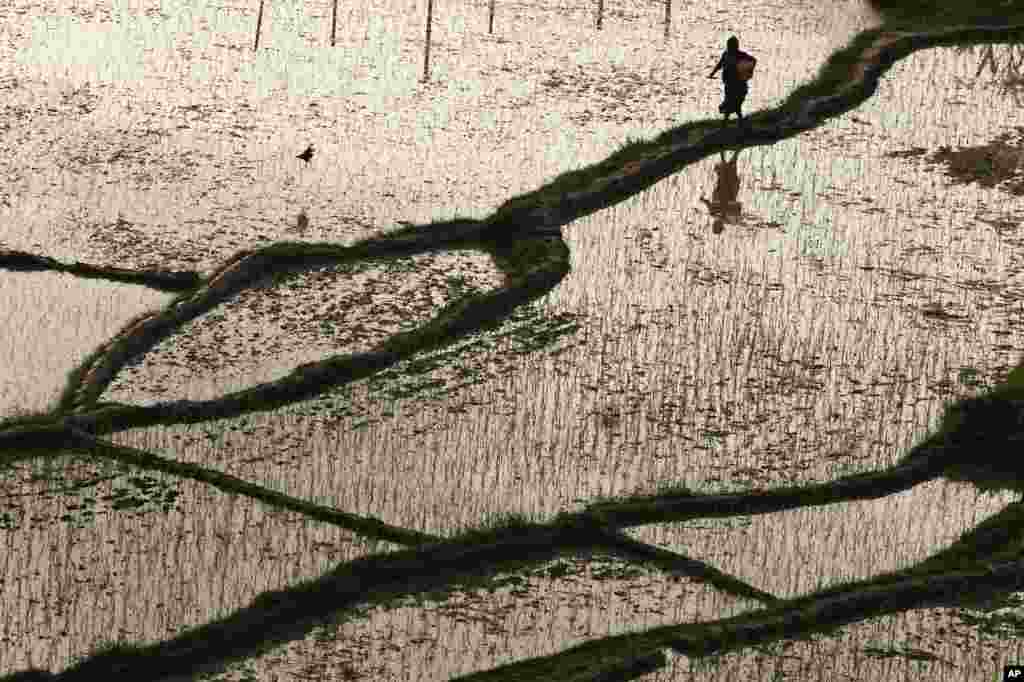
921,15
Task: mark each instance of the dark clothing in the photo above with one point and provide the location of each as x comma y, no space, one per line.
735,88
735,93
728,65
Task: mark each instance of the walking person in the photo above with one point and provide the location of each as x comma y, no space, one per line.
737,67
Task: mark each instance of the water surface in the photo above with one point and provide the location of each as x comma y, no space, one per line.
819,333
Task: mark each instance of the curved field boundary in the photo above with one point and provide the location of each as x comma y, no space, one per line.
848,79
523,238
165,280
243,270
463,316
280,616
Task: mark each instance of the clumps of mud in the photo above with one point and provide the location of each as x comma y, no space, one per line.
264,332
998,163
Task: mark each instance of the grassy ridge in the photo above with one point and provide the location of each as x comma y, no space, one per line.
533,265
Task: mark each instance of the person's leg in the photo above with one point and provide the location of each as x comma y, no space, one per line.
731,99
739,106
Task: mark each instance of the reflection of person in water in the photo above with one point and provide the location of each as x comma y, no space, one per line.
737,66
723,206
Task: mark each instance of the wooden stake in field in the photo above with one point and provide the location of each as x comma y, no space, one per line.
490,20
600,11
668,16
334,21
426,46
259,23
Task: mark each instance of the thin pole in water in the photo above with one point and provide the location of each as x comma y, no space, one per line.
490,21
668,16
334,21
600,11
426,46
259,24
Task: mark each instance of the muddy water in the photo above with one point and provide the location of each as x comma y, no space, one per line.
51,321
135,140
801,344
266,331
818,337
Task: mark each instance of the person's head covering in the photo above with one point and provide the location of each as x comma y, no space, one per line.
733,44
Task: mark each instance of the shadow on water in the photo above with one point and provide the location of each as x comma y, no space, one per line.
523,237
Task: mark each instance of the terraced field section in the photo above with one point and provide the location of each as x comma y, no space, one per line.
534,372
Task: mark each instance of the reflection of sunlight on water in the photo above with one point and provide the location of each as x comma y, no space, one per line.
51,321
902,529
502,114
263,333
701,358
846,249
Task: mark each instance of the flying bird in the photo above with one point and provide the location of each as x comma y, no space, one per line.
306,155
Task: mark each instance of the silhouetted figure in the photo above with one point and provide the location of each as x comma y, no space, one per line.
302,220
723,206
737,67
306,155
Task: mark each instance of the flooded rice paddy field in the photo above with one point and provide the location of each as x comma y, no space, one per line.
866,283
266,331
536,614
51,322
157,138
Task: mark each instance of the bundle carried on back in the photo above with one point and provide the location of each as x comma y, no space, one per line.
737,69
745,68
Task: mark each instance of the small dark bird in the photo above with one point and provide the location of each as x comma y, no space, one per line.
306,155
